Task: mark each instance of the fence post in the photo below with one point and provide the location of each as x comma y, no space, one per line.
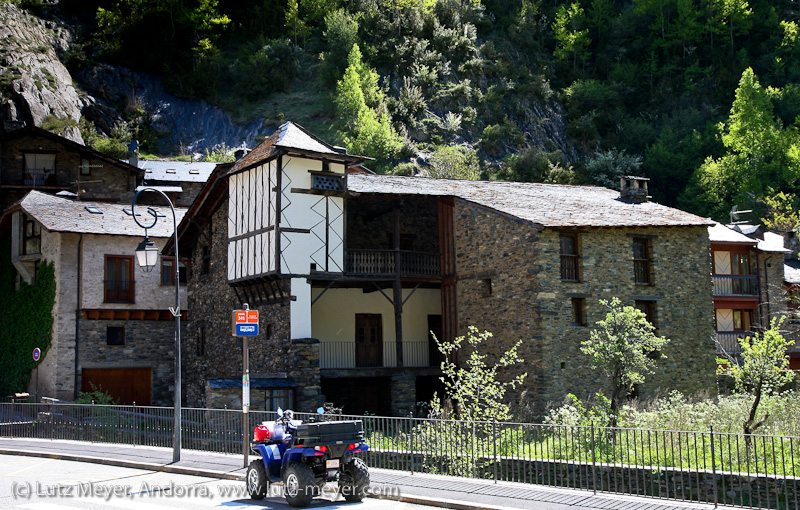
494,446
411,434
714,468
594,475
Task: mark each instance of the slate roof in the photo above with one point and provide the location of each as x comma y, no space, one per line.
720,233
548,205
63,215
290,137
181,171
791,272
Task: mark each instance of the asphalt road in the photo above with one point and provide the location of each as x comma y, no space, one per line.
32,483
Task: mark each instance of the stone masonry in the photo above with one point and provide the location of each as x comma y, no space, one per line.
211,301
528,301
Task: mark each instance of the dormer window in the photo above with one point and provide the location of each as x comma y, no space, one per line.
38,168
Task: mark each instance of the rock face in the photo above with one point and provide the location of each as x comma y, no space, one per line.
183,124
33,81
34,84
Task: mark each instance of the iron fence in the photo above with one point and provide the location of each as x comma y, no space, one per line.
758,471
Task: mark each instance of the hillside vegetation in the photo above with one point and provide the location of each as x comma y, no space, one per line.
702,96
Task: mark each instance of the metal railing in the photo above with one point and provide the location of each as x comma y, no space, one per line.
756,471
382,262
343,355
735,285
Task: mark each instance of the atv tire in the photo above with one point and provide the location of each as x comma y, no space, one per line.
299,485
354,481
256,479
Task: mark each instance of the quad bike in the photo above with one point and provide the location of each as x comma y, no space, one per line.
306,456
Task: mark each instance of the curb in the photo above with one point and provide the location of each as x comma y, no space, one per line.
416,500
178,470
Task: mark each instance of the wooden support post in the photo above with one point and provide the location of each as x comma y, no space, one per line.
398,288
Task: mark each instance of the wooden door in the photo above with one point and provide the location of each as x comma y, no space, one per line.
369,340
125,385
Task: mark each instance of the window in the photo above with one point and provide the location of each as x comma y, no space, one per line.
327,182
31,236
201,341
39,168
579,311
270,331
115,335
168,271
742,320
407,241
641,261
486,287
649,309
86,167
119,285
278,397
205,263
569,258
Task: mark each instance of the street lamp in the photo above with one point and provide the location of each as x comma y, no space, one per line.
147,257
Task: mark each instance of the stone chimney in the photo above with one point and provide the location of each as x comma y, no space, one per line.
633,189
133,153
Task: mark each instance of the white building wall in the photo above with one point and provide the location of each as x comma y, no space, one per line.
333,322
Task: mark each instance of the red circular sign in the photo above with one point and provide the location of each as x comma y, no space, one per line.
37,353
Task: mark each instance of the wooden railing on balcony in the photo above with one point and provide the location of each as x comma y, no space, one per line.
728,341
343,355
735,285
382,263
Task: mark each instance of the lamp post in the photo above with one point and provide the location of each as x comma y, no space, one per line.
147,257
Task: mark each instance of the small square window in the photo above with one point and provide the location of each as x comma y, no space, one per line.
168,271
115,335
649,309
86,167
275,398
579,311
205,264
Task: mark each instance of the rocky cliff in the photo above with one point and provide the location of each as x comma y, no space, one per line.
36,88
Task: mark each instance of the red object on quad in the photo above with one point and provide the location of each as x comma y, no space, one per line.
261,433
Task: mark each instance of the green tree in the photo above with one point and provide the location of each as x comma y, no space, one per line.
607,167
341,34
475,387
762,368
625,348
734,15
571,39
783,212
760,154
450,162
294,23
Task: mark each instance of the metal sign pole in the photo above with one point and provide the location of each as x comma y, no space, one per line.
245,394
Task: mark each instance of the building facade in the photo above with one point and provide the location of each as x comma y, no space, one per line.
353,274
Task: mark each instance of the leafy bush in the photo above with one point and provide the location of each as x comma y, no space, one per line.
454,163
606,168
498,139
268,69
97,396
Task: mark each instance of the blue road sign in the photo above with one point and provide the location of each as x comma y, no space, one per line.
247,329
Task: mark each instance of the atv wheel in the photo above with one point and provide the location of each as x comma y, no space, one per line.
299,486
256,479
354,481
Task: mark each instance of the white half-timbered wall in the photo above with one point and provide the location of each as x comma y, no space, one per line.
252,206
311,226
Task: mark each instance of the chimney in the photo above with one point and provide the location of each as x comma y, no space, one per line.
241,151
133,153
633,189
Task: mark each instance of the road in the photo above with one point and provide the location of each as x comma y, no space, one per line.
32,483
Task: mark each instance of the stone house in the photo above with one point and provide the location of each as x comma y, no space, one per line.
111,324
753,277
351,272
33,158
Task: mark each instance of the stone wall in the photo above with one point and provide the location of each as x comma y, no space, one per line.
370,224
211,300
509,283
115,183
773,302
148,344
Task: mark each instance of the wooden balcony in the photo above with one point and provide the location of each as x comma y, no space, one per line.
348,355
735,285
383,262
728,341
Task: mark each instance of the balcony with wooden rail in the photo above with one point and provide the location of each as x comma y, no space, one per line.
734,285
391,262
343,355
728,341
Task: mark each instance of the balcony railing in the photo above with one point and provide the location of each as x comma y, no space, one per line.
382,263
343,355
735,285
728,341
